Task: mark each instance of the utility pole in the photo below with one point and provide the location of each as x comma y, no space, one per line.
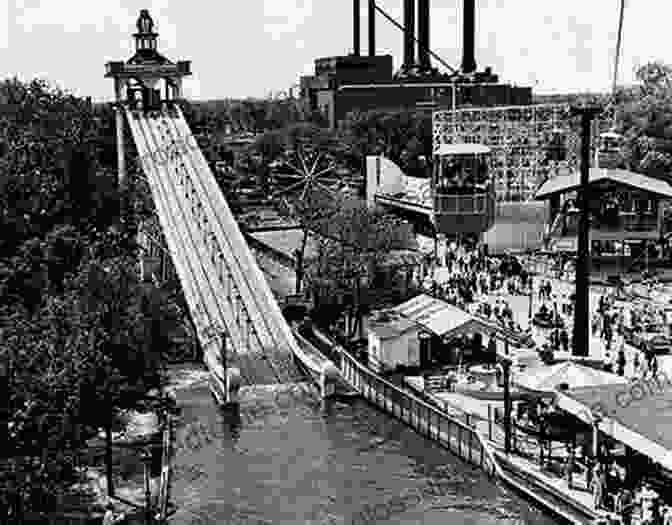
505,364
581,335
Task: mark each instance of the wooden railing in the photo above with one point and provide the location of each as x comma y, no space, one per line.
460,438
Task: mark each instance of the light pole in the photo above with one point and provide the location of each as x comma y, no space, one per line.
505,364
147,461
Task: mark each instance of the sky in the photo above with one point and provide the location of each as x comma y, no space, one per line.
242,48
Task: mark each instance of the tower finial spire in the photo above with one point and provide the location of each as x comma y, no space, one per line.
145,24
145,38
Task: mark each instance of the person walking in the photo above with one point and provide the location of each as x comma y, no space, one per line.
599,485
667,515
109,518
564,340
569,465
653,364
624,505
589,472
621,360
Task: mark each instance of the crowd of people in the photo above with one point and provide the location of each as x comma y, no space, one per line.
613,323
469,279
470,276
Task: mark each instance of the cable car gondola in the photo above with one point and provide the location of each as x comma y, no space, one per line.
463,194
608,154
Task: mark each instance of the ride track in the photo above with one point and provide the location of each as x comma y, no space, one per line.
224,288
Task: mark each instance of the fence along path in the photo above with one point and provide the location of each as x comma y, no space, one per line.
468,440
223,287
428,420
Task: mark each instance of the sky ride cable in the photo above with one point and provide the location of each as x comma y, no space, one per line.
618,46
617,58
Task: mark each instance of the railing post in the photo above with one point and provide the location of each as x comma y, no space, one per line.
459,441
489,422
471,444
429,421
382,394
480,442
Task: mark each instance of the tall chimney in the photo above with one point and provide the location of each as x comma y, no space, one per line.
372,28
355,28
468,30
423,35
409,33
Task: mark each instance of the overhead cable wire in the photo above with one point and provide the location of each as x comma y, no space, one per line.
415,39
617,57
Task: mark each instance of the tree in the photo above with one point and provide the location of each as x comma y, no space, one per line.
353,246
304,191
402,136
646,120
75,334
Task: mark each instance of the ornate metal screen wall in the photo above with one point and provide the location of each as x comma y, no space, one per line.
522,140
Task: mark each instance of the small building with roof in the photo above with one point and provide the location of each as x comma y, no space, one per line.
422,330
627,212
392,340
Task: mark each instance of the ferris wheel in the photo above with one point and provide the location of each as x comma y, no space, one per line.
305,179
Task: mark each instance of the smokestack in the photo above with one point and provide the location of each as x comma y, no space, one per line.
372,28
423,35
409,33
468,30
355,28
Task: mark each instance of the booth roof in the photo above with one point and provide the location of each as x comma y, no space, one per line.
439,317
565,183
444,319
638,414
548,378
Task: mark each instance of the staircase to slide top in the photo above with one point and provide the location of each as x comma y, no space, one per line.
227,294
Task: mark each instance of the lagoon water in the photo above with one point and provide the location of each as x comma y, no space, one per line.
288,460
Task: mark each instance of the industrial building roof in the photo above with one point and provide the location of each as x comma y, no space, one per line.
565,183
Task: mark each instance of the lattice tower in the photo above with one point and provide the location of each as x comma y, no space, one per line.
521,138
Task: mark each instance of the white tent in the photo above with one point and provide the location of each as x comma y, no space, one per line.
549,378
